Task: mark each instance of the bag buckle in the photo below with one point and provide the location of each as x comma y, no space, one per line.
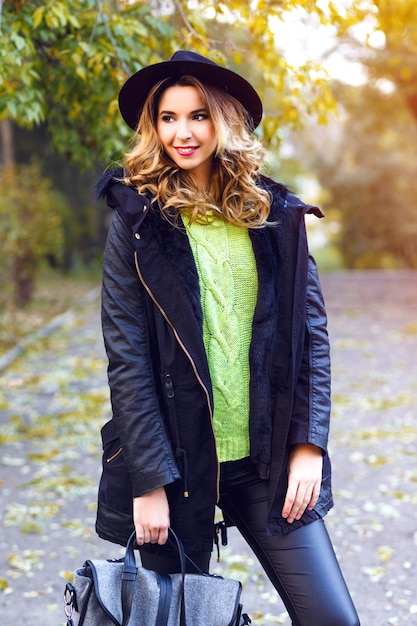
70,603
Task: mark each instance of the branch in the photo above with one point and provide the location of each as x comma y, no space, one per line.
112,39
187,22
208,41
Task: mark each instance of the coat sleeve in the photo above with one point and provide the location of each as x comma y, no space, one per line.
311,410
136,407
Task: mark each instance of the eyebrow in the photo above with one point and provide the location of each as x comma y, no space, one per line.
203,110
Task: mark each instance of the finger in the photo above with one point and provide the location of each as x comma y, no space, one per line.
154,535
151,534
300,503
314,496
163,536
310,499
289,500
140,535
301,507
296,511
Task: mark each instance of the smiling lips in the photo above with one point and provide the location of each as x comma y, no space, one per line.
186,151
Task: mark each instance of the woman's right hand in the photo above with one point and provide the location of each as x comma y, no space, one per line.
151,517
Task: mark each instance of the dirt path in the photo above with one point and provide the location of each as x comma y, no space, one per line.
54,399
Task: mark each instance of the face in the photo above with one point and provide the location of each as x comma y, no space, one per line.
186,131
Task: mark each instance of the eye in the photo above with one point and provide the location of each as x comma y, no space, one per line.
167,118
200,116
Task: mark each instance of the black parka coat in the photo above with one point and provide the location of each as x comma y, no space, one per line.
161,433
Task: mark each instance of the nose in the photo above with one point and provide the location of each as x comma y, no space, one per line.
184,132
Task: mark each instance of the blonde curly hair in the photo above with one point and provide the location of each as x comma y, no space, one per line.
233,194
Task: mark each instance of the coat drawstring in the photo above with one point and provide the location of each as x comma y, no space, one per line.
220,528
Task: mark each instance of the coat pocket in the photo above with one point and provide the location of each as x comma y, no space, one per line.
114,512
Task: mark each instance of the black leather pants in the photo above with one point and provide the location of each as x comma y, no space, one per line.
301,565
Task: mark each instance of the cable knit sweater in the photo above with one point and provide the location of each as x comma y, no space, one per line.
228,284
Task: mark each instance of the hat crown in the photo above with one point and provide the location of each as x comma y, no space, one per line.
187,55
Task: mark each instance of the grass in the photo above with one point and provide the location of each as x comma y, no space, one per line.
55,293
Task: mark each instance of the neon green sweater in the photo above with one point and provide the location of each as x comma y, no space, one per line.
229,286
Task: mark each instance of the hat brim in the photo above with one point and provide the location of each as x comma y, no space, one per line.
134,92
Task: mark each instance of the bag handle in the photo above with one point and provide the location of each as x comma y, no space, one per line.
129,573
130,561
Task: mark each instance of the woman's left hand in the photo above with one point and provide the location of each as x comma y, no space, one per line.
304,480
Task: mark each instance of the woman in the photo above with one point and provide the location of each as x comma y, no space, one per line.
215,330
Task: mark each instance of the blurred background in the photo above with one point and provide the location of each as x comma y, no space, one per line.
338,81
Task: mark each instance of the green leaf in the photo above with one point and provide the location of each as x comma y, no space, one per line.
38,16
80,71
12,108
18,41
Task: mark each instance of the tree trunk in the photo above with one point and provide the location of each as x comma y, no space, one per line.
7,147
23,276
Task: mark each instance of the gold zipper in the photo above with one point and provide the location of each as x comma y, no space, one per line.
190,358
113,456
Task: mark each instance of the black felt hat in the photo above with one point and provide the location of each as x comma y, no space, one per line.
134,92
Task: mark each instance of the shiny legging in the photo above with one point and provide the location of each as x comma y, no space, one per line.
301,565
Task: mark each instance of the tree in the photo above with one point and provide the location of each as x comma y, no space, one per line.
365,159
63,62
388,49
31,227
367,170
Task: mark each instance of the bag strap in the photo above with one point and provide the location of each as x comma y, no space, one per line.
164,600
129,574
182,557
181,553
164,603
